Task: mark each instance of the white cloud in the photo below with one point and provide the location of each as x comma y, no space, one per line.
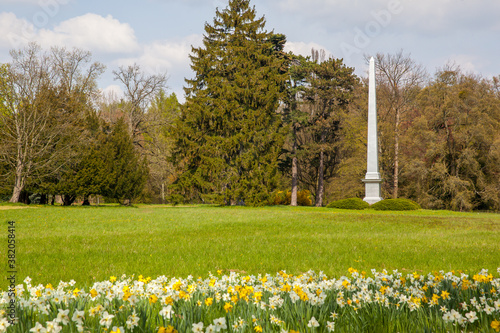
94,32
304,48
112,93
15,32
171,56
90,31
165,55
467,63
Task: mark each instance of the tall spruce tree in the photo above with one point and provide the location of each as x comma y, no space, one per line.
229,132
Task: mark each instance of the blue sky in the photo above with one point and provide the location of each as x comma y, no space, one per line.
158,34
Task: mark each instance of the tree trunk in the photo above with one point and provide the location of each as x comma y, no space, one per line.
43,199
396,157
320,190
293,201
25,197
16,193
162,193
86,201
18,184
53,199
68,199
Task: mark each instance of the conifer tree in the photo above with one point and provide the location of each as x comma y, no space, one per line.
330,91
126,174
229,133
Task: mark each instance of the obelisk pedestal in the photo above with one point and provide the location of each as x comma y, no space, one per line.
372,178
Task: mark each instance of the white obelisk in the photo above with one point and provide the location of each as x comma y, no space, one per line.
372,179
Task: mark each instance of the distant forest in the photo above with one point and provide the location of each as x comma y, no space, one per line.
259,126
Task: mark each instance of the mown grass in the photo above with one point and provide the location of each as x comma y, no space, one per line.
90,244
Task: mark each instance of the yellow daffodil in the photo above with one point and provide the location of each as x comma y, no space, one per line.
153,299
126,295
495,324
177,286
170,329
228,307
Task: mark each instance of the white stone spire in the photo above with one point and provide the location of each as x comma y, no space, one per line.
372,179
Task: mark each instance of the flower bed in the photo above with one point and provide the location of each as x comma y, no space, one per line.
376,302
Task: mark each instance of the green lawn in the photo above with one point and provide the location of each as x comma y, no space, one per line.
92,243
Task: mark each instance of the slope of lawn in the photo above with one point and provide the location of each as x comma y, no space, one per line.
90,244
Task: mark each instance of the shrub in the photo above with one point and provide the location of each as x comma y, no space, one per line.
175,199
303,198
396,204
280,198
284,198
351,203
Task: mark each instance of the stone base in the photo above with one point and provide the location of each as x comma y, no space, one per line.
372,190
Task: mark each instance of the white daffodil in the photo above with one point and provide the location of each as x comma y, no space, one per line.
198,328
313,323
471,316
220,324
78,317
106,319
62,316
167,312
4,323
53,327
38,328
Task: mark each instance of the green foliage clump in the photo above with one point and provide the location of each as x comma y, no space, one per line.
229,135
126,173
350,203
396,204
285,198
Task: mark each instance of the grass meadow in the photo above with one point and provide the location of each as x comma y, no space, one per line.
89,244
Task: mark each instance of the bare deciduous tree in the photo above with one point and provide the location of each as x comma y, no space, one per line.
37,90
399,79
140,89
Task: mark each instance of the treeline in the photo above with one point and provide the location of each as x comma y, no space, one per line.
257,123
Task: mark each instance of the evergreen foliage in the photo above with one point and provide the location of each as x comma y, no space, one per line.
396,204
230,135
125,174
350,203
329,92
